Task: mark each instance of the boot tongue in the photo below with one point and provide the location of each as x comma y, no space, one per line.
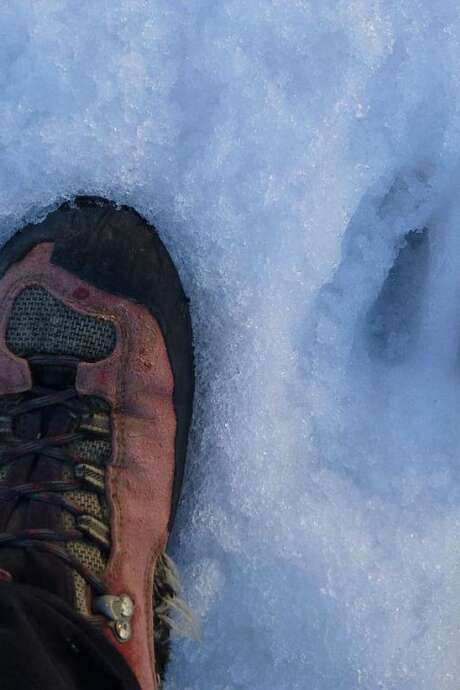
29,566
55,376
52,420
39,324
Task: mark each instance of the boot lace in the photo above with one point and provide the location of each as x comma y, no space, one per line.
87,425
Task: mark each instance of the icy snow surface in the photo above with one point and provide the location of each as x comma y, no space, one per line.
300,160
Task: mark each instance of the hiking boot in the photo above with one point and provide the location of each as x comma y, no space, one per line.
96,391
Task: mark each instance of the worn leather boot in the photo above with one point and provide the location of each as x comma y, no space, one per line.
96,392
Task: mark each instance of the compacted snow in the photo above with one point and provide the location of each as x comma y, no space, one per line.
300,160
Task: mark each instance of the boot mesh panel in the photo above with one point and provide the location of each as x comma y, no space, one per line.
41,324
96,452
86,553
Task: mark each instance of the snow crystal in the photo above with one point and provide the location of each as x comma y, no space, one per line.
299,158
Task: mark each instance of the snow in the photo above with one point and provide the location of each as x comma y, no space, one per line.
287,151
